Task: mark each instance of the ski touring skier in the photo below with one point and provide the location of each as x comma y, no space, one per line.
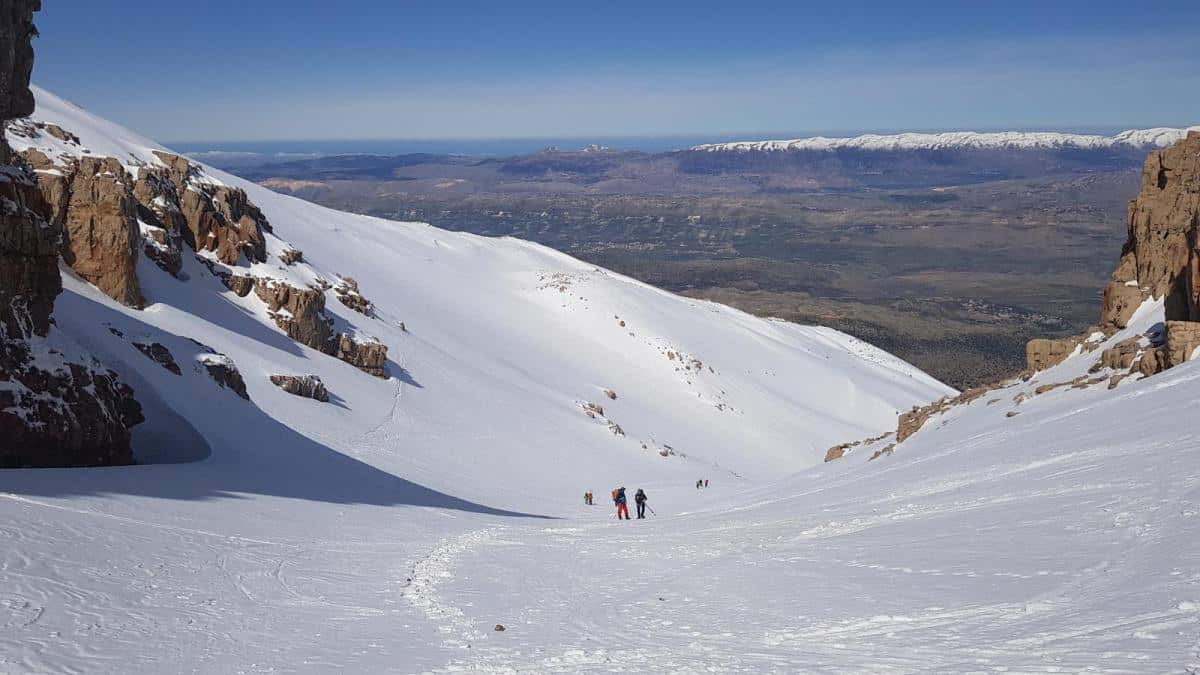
621,502
640,499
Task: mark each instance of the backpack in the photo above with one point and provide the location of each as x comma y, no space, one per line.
615,495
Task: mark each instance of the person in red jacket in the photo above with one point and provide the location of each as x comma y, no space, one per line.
621,502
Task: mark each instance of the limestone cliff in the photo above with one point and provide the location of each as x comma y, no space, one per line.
56,409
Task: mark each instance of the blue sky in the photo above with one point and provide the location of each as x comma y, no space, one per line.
294,69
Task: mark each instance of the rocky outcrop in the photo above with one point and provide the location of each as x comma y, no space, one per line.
100,230
836,452
162,220
1042,353
1160,253
1182,338
160,355
304,386
299,312
291,256
1120,356
90,202
54,410
348,294
217,218
1160,259
224,372
69,415
912,421
368,356
239,284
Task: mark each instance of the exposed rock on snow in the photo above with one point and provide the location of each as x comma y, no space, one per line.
291,256
305,386
299,312
239,284
158,208
224,372
1122,355
836,452
369,356
348,294
1041,353
160,355
840,450
219,218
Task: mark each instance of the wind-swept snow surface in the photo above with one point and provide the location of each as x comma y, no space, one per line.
392,528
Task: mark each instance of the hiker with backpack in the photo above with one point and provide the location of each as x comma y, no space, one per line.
621,502
640,499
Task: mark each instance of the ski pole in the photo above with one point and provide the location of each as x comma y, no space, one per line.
651,510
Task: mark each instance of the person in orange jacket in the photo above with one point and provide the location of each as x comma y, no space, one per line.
621,502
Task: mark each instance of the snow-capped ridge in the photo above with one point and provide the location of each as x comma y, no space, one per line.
1159,137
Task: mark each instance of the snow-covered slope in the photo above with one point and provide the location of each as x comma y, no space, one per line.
503,344
1061,539
1159,137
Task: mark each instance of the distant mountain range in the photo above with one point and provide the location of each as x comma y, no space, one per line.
1159,137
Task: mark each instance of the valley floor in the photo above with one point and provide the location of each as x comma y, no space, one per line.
1065,543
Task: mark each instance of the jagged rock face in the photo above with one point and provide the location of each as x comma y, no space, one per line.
16,60
299,312
239,284
100,230
52,412
76,416
158,208
91,203
29,279
1160,252
304,386
218,218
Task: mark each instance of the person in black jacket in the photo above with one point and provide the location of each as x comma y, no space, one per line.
640,499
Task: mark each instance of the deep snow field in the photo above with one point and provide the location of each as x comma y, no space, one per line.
391,529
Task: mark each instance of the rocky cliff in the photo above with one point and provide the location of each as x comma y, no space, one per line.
1160,260
56,409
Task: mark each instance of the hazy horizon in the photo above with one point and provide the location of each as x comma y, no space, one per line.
500,146
282,70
